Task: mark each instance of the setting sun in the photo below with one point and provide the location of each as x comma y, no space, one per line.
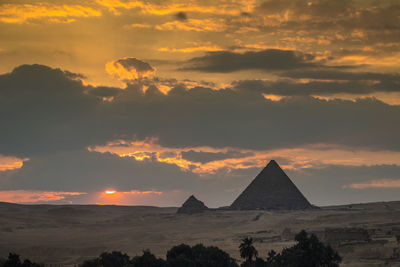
110,192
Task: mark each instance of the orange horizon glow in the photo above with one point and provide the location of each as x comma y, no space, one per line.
113,197
379,183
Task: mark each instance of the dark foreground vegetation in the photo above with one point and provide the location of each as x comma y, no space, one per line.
307,252
13,260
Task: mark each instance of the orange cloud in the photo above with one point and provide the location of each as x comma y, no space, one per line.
23,13
381,183
207,48
197,25
129,69
10,163
139,25
34,196
295,158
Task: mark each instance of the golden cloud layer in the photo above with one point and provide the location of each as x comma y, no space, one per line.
23,13
223,7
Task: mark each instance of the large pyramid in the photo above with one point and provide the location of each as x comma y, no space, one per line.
272,189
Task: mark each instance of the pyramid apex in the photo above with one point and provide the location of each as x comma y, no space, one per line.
272,162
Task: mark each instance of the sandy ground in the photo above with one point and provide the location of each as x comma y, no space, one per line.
67,235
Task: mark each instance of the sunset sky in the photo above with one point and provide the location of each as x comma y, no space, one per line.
145,102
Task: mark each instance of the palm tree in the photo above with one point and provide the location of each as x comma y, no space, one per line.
247,250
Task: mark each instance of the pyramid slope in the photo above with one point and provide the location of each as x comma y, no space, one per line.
192,205
271,189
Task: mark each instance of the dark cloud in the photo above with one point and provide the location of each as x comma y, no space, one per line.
43,111
181,16
288,87
344,23
133,63
340,75
103,91
270,59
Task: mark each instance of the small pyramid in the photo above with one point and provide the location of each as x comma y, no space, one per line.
192,205
272,189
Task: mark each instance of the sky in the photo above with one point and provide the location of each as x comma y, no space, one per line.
146,102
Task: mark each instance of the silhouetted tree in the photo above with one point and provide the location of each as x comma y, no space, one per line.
147,260
199,256
14,261
247,251
308,252
181,255
114,259
91,263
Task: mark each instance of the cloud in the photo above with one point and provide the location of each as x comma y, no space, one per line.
210,160
157,183
170,7
191,49
204,157
52,13
289,87
181,16
196,25
269,59
36,196
129,69
44,111
379,183
10,163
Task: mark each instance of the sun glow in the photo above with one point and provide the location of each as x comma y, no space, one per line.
110,192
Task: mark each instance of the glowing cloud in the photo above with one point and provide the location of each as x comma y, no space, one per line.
127,69
233,158
34,196
197,25
10,163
